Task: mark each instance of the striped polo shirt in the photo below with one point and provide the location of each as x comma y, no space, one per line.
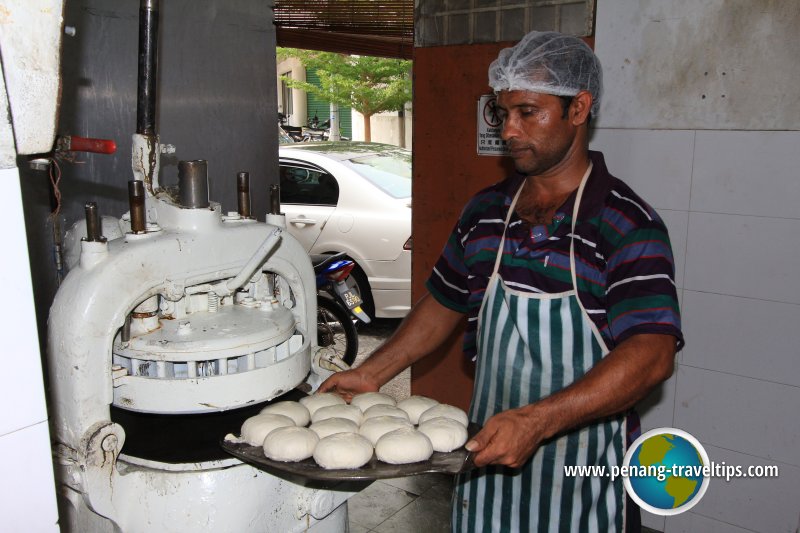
623,259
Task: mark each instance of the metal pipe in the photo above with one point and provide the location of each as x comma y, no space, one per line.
243,187
94,233
136,200
274,200
193,183
148,67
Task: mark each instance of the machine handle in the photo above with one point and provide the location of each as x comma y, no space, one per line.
73,143
303,220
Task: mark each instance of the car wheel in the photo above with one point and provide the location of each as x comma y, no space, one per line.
358,282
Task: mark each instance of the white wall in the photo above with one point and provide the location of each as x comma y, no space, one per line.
389,127
28,501
728,189
29,37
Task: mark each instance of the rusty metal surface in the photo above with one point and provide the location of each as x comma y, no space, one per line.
454,462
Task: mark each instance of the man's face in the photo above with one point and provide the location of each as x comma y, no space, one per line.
538,134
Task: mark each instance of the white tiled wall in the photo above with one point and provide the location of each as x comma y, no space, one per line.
26,471
731,202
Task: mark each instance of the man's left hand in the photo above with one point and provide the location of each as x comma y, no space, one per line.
508,438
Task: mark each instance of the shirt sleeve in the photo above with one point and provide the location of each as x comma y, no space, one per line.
641,296
448,281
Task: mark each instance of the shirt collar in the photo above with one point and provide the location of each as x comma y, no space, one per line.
598,185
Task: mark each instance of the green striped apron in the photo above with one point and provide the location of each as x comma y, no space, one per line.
531,345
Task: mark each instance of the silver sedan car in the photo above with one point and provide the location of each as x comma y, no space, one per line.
355,198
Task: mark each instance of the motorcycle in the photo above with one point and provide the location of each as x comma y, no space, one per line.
337,306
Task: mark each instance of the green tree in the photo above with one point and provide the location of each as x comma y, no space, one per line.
368,84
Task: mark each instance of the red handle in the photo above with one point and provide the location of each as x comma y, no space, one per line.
97,146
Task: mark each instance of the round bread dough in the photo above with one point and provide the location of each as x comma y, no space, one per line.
415,406
376,427
322,399
445,434
350,412
331,426
290,444
384,410
368,399
401,446
294,410
256,428
343,450
447,411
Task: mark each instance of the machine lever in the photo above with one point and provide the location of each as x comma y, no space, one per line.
73,143
228,287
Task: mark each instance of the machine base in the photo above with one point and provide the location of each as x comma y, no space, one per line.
239,499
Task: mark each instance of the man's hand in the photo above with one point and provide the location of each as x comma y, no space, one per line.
509,438
349,383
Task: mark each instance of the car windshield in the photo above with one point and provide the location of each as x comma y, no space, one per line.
390,171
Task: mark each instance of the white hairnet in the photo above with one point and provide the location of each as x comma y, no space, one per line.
548,63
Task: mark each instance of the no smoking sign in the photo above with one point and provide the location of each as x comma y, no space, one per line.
489,127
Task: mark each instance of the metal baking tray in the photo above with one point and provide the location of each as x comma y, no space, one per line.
454,462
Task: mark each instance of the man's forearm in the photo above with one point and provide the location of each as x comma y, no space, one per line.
427,326
615,384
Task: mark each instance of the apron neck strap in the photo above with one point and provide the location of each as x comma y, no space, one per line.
578,197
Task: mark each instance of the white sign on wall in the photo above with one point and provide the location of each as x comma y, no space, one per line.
489,127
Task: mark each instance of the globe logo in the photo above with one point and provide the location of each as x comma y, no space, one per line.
668,471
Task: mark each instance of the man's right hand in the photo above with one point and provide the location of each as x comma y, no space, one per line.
349,383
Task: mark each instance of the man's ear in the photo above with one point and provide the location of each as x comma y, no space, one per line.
580,108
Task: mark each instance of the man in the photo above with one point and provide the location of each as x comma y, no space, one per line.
566,278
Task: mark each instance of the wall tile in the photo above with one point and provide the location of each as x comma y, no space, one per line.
694,523
747,173
21,385
742,336
656,164
760,504
738,413
748,256
653,521
29,498
677,225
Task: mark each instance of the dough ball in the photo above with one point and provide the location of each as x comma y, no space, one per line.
290,444
331,426
343,450
415,406
323,399
447,411
368,399
256,428
376,427
384,410
350,412
294,410
401,446
445,434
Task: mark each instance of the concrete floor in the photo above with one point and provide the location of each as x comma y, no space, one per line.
403,505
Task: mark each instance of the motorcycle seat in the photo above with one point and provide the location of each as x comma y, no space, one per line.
319,261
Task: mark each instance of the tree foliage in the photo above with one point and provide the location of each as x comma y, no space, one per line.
367,84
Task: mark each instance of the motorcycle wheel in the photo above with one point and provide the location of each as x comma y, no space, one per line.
336,330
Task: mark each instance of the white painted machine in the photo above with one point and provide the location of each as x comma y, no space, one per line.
167,333
155,322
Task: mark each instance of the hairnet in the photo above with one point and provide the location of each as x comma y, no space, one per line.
549,63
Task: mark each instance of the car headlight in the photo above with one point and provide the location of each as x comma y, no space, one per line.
407,245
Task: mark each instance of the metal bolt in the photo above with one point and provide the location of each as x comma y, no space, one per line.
109,443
